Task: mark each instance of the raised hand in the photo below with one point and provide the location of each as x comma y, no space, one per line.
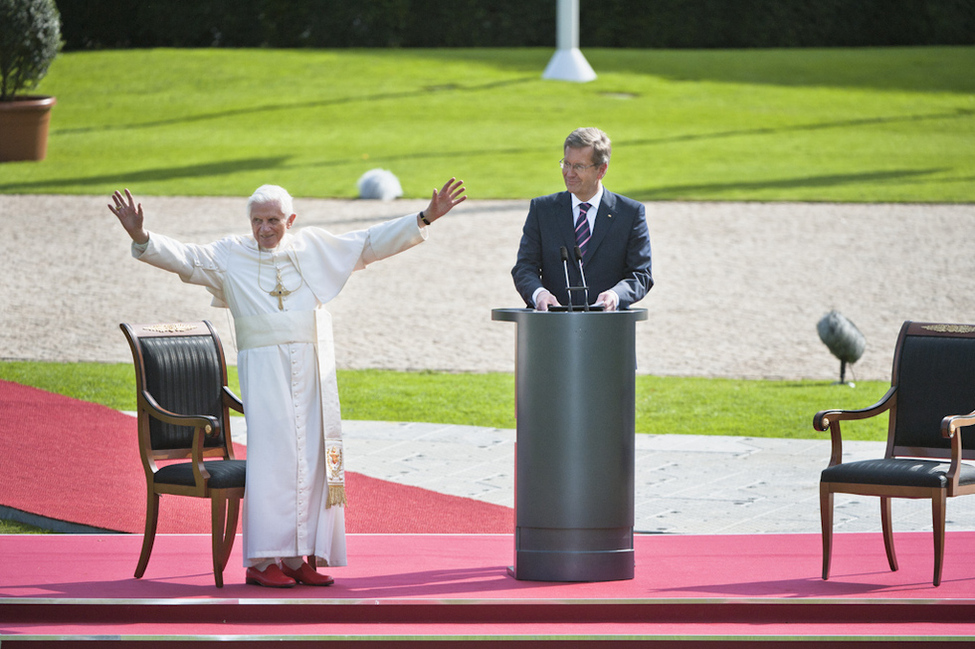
444,200
129,215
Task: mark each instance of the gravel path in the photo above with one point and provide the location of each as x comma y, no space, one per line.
740,286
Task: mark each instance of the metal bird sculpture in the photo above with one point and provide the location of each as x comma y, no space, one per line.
842,338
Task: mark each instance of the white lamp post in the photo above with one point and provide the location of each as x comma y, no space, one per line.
568,63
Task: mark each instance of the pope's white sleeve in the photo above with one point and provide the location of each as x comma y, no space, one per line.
195,264
387,239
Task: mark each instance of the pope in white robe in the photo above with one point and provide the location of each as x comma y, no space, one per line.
275,284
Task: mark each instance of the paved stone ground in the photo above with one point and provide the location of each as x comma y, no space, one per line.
740,287
685,484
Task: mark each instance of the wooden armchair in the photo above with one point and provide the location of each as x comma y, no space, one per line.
184,428
930,400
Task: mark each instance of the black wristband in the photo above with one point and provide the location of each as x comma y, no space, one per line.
424,219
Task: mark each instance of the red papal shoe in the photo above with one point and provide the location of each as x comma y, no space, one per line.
307,575
270,576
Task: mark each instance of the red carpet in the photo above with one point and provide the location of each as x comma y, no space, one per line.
436,567
74,461
428,578
688,592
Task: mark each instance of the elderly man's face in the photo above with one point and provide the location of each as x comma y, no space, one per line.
269,223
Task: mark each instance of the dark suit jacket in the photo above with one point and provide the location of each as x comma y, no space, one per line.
617,256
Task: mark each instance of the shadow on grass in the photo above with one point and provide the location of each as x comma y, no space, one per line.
653,193
830,180
269,108
959,113
223,167
912,69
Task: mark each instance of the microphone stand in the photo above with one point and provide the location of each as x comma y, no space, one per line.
582,273
565,269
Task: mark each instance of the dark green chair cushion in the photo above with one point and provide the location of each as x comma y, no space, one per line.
898,472
224,474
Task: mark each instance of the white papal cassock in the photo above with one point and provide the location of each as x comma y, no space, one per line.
286,365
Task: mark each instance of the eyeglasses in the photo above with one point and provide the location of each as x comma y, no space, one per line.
578,168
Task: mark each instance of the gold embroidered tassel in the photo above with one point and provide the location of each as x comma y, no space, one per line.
336,495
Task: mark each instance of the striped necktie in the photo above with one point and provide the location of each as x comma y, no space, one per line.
582,228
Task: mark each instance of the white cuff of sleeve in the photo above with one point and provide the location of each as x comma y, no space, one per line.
535,296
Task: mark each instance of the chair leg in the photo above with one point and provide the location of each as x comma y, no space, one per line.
886,523
230,531
152,517
826,514
224,513
938,504
221,532
218,506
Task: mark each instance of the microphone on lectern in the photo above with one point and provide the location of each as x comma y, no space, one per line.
565,269
582,274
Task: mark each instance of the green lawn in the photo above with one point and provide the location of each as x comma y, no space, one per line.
856,125
12,527
674,405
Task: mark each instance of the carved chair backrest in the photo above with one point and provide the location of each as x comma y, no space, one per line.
934,371
183,368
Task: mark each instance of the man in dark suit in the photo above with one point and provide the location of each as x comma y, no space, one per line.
610,229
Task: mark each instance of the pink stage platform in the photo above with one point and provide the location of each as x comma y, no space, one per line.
455,591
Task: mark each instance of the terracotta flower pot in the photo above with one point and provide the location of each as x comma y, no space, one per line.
23,128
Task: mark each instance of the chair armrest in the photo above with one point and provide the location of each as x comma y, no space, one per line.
951,423
210,425
950,426
825,418
831,419
203,425
231,400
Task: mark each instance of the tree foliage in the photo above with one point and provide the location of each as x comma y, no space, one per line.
517,23
30,39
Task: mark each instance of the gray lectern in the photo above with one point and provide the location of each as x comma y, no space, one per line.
574,387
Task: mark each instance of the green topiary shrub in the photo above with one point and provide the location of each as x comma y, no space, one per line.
30,39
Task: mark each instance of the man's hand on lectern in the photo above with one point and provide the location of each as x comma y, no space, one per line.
609,300
545,300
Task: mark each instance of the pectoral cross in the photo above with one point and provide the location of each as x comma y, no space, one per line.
279,292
